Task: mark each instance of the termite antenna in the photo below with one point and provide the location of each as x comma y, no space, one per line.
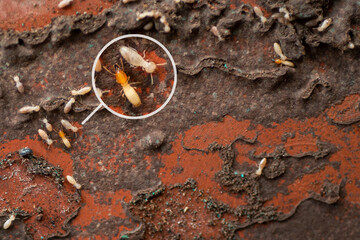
108,70
122,64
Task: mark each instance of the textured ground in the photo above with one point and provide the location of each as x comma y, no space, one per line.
188,171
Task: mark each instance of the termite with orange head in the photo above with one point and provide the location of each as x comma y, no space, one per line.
64,139
283,59
135,59
45,137
129,91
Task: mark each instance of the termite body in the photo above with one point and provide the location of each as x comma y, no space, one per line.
8,222
82,91
69,126
73,182
324,25
98,66
135,59
283,59
68,105
64,139
129,91
45,137
47,124
64,3
261,167
260,14
29,109
19,85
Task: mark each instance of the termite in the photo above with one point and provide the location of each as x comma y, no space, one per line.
351,45
68,105
81,91
325,24
64,3
101,92
69,126
98,67
45,137
260,14
261,167
19,85
129,91
283,59
148,26
279,52
8,222
47,124
29,109
64,139
134,58
72,181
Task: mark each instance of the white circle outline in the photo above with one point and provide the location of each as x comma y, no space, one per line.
135,36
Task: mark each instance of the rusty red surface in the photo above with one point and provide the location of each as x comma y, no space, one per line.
26,15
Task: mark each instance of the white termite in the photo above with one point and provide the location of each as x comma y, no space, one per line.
351,45
148,26
98,66
19,85
155,14
64,3
29,109
127,1
135,59
8,222
73,182
286,13
68,105
101,92
260,14
45,137
261,167
69,126
279,52
47,124
325,24
81,91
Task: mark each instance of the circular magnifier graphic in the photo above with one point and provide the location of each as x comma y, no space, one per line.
137,77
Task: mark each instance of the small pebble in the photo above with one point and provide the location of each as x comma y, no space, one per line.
152,140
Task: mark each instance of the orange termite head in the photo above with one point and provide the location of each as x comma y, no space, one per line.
278,61
61,134
121,77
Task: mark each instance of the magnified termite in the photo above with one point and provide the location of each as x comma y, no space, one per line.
123,79
135,59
